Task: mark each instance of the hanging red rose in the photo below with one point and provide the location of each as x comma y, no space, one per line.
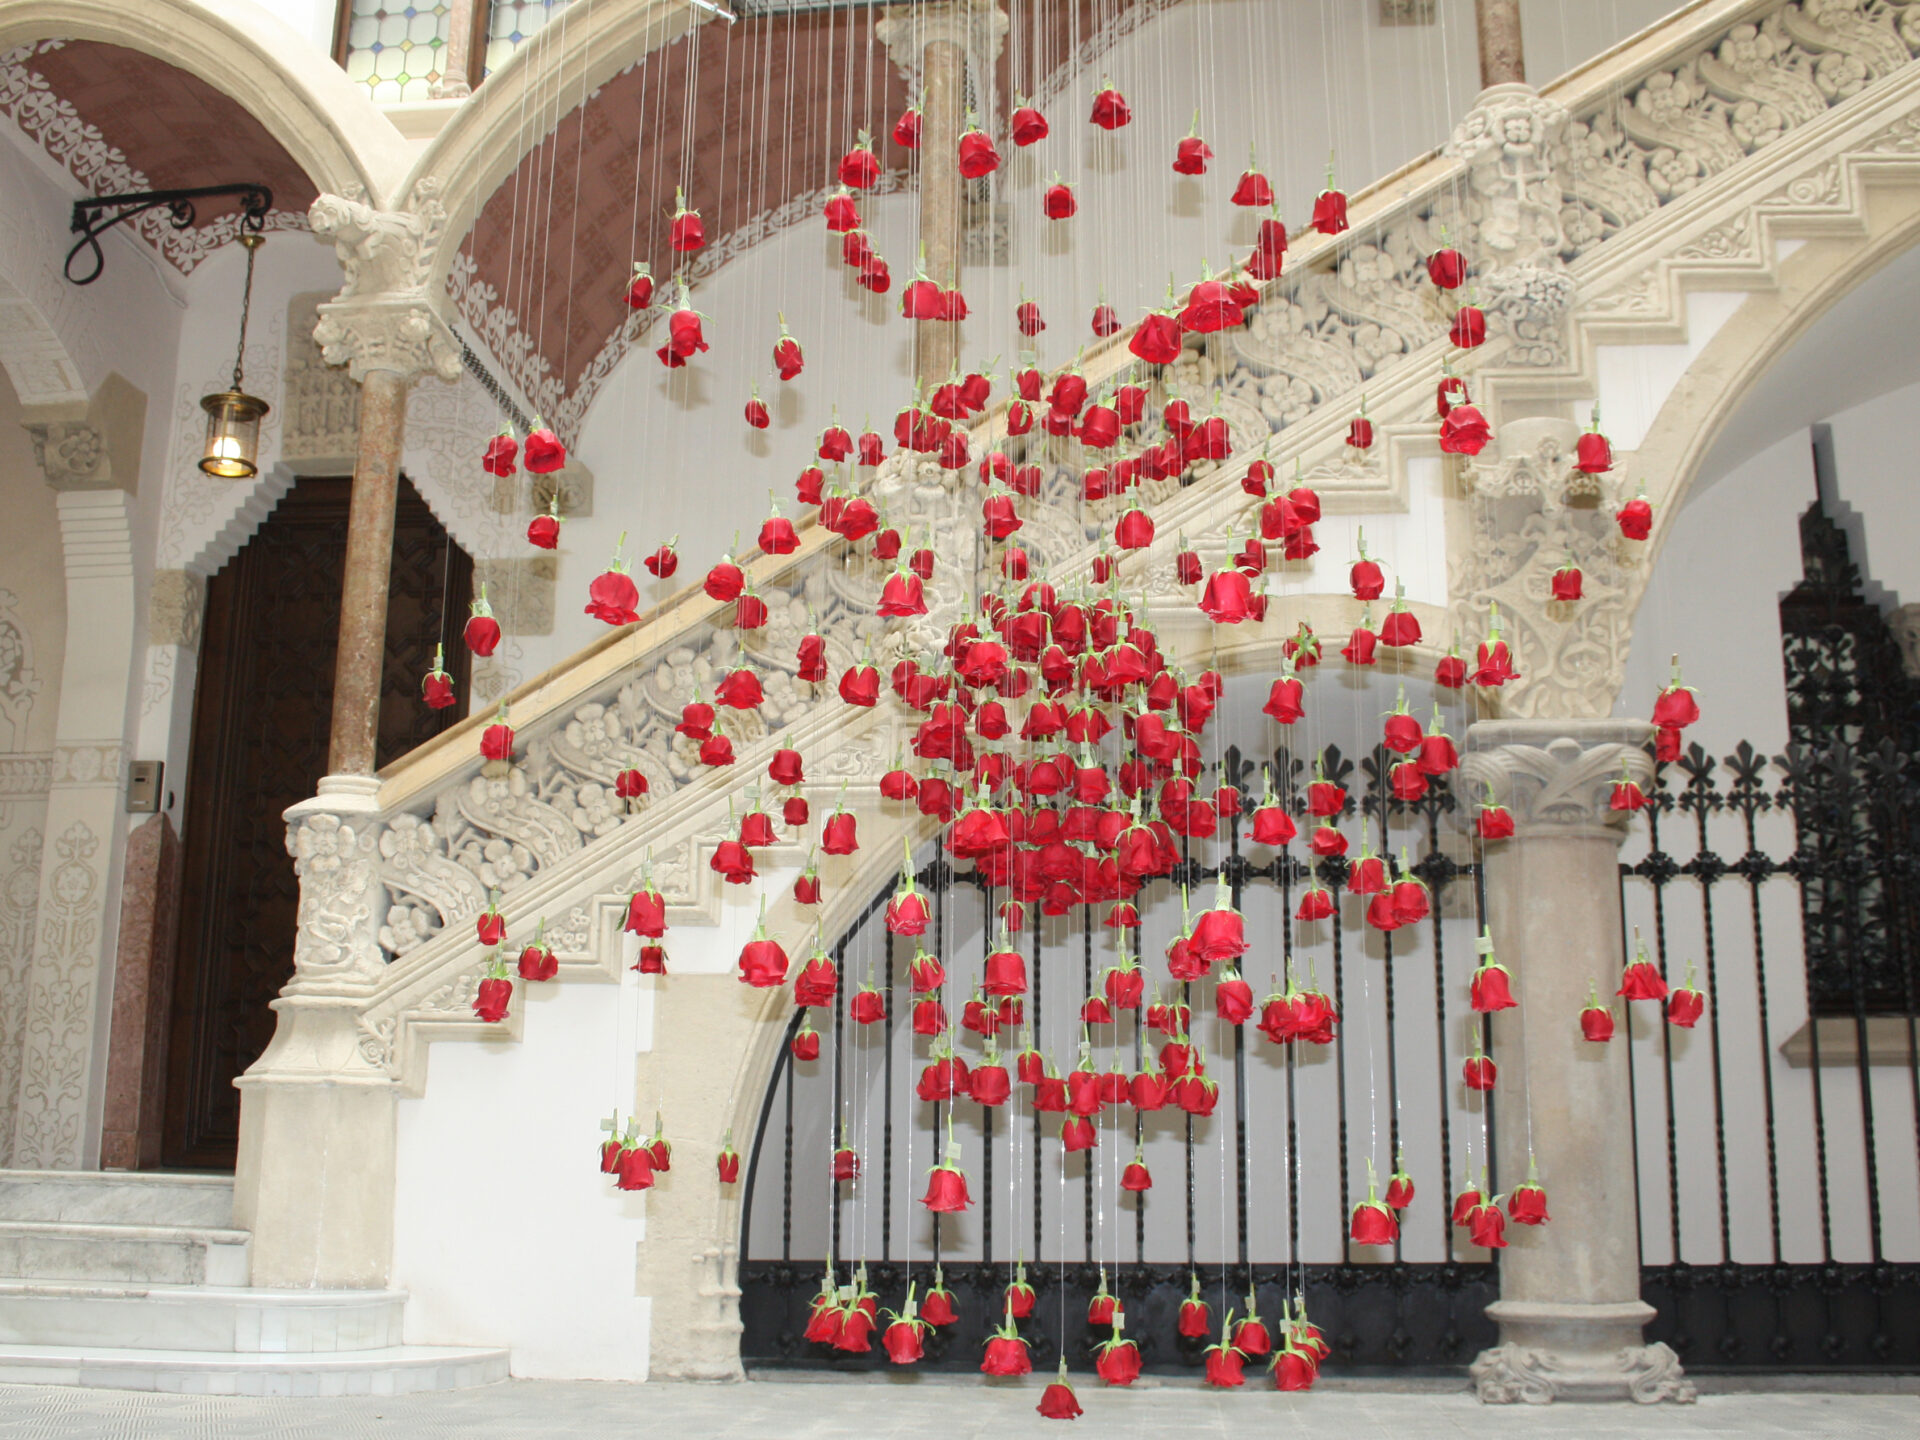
436,686
840,835
1596,1020
947,1194
1191,155
500,455
1118,1362
1567,581
1627,794
494,992
860,685
740,690
977,156
1635,518
543,531
1528,1203
818,981
1028,126
1006,1353
1110,109
1447,268
1294,1369
906,130
1360,433
843,218
1469,328
1254,191
1057,1401
859,167
483,631
612,596
805,1045
1399,1186
1057,203
1372,1222
1134,530
728,1161
1479,1071
1684,1007
1027,318
664,561
1250,1336
1490,988
1157,339
732,861
1359,649
686,233
1465,431
763,964
1224,1365
640,290
788,360
496,741
1330,212
1675,708
1210,306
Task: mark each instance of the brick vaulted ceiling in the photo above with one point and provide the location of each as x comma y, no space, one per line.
751,118
119,120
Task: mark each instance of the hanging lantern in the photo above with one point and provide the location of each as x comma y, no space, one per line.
233,416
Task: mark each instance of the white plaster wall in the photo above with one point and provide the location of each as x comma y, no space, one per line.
313,19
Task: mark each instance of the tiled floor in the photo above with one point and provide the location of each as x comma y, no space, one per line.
947,1410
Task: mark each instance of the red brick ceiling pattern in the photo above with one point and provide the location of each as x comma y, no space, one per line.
777,102
173,127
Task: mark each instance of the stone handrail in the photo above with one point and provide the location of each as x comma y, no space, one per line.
1532,187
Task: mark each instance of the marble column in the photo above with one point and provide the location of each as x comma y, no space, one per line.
1570,1312
463,33
937,342
359,665
1502,57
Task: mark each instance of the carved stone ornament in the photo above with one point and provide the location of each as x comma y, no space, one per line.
1519,1374
342,899
385,317
1557,775
978,29
72,454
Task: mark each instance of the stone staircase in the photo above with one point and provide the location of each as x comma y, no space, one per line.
139,1282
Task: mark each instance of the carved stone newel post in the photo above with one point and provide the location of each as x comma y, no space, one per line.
1570,1312
314,1180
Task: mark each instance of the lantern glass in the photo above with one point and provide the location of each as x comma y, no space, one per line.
233,435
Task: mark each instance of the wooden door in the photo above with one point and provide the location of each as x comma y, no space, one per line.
260,722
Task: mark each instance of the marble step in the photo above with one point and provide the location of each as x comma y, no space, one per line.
226,1319
116,1197
160,1254
394,1370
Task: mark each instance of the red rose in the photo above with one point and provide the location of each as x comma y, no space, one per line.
1596,1022
1469,327
490,1000
1157,339
840,835
860,685
496,741
1250,1337
977,158
1567,582
636,1168
1447,268
1399,1189
740,690
1134,531
483,631
1528,1204
1489,989
1465,431
1487,1226
1635,518
788,359
1684,1008
1057,202
1106,320
1495,822
1057,1401
1294,1369
612,597
806,889
544,531
1642,980
906,130
1027,126
1330,212
731,861
647,914
1233,999
843,216
1135,1177
663,561
686,233
538,962
1118,1362
1479,1072
1373,1222
1254,190
436,688
947,1195
1224,1366
1592,454
729,1165
1110,110
1366,579
1360,434
859,167
640,291
1316,903
818,982
763,964
1190,157
543,453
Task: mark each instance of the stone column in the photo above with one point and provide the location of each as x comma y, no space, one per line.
1570,1312
1502,58
315,1173
387,330
456,61
935,45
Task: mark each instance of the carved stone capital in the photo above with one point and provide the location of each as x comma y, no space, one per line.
980,29
385,317
1572,1351
72,454
95,446
1557,776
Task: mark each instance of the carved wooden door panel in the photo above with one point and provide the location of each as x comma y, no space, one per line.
261,716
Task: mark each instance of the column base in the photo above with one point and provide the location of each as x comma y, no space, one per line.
1552,1352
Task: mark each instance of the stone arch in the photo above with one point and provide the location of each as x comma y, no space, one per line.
35,358
327,124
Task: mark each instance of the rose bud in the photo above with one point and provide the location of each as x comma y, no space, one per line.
1250,1336
436,686
840,835
1528,1203
483,631
717,750
663,561
902,1338
1399,1185
1224,1364
906,134
1487,1226
805,1044
856,1329
763,964
543,531
1110,109
490,999
1316,903
1006,1352
636,1168
1635,518
686,233
537,961
501,453
1118,1362
1495,822
1057,202
1469,328
818,981
977,158
1254,191
1360,433
1294,1368
1684,1007
988,1083
728,1161
1641,980
1627,795
1479,1071
543,453
1372,1223
1489,988
1447,268
1027,125
1592,454
947,1190
1330,210
1057,1401
1136,1177
1134,531
1675,708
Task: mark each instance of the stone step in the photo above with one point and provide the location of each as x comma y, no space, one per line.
158,1254
225,1319
116,1197
395,1370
